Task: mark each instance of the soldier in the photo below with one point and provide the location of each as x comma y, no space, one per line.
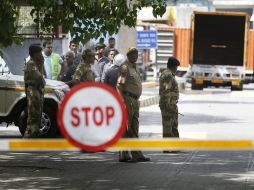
34,84
130,87
169,95
84,72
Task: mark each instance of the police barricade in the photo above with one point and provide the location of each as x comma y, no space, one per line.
127,144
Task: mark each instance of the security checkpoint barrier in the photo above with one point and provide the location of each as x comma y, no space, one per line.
127,144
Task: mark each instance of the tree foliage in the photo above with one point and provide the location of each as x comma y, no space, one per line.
84,19
8,26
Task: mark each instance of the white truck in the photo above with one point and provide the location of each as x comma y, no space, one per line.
218,49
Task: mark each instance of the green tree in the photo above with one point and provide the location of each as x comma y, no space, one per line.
8,25
84,19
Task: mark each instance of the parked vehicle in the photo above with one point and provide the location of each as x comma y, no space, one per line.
13,107
218,50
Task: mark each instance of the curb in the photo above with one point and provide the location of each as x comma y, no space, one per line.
151,84
150,101
155,99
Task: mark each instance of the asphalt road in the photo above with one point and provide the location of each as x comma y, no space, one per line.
190,170
215,113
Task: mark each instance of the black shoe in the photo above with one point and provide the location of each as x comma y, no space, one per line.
144,159
171,152
84,151
125,160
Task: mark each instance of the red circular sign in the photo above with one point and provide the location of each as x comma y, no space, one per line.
92,116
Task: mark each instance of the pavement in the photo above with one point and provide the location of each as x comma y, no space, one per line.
150,93
190,170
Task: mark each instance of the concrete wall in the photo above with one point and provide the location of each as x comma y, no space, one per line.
126,38
183,15
14,55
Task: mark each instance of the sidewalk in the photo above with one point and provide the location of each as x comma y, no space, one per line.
150,92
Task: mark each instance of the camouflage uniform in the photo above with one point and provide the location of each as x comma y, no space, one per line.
129,84
84,73
169,95
35,83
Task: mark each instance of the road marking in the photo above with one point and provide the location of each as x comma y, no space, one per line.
128,144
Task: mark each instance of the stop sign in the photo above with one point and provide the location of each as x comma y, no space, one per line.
92,116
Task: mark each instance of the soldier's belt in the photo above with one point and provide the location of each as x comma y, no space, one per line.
131,95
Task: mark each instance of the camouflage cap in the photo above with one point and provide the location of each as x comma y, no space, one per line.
132,50
172,62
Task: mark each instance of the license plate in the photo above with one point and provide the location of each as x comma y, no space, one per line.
199,81
235,82
217,81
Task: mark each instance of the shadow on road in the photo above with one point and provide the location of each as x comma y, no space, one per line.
73,170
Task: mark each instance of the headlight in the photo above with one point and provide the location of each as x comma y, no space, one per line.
59,94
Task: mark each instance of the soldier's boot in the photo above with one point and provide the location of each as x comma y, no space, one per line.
124,156
31,133
138,156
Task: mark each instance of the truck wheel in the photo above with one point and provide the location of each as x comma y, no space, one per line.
237,88
48,127
195,86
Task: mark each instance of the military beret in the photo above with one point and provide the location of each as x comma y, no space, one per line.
34,48
132,50
99,46
172,62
